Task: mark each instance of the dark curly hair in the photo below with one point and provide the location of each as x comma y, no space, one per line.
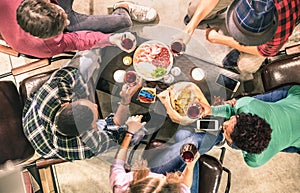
74,119
251,133
40,18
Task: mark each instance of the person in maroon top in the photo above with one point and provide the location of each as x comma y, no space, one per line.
78,38
259,28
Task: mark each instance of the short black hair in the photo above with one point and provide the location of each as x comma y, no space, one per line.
74,119
251,133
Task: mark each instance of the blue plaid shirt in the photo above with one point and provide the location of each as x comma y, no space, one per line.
38,119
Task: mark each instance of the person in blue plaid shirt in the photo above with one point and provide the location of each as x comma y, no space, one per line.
60,121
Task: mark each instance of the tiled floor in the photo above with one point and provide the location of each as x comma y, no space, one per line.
281,174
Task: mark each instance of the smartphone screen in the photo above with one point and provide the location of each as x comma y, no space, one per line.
208,125
228,82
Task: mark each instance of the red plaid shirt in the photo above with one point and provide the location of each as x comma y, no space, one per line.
288,18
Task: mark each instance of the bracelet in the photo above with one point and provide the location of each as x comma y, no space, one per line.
124,104
130,133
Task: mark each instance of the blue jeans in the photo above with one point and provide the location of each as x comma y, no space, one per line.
168,159
118,20
274,95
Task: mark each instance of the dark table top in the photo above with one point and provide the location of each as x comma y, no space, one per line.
195,56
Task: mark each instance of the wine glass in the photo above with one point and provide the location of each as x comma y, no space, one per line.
194,111
177,47
131,78
188,152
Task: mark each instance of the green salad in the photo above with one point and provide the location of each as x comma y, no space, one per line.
159,72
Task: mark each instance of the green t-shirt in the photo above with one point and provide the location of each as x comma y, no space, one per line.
283,117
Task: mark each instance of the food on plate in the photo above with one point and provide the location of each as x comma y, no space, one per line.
182,95
152,60
147,95
182,101
178,97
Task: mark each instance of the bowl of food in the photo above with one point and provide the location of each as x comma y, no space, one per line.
152,60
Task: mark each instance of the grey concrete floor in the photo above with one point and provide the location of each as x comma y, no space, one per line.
281,174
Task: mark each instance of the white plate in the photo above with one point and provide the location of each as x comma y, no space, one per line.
150,57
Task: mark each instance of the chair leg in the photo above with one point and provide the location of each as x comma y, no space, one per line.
47,180
228,179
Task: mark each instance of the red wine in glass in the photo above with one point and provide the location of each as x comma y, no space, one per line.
127,43
188,152
193,111
130,78
177,47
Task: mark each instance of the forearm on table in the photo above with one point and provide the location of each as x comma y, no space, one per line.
202,10
85,40
225,111
122,114
229,41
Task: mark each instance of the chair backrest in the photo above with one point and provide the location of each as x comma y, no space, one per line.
13,143
31,84
281,72
210,173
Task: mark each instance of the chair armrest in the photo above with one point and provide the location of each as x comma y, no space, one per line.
8,50
30,66
43,163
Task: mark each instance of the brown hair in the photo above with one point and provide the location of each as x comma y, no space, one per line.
142,184
40,18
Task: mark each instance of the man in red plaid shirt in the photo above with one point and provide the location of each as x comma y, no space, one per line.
259,28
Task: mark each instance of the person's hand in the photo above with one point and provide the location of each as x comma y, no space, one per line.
134,123
231,102
181,37
164,98
125,41
127,92
212,34
205,109
218,101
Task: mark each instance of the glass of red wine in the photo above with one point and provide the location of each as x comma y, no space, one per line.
127,43
131,78
177,47
194,111
188,152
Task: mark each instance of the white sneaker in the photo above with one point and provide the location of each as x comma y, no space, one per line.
138,13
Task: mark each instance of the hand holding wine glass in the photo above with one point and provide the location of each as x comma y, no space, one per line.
125,41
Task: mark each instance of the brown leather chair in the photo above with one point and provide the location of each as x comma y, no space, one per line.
282,71
14,145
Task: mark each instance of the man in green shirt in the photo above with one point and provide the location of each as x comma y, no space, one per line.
261,126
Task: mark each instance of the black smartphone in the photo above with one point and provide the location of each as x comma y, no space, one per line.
207,125
228,82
